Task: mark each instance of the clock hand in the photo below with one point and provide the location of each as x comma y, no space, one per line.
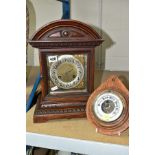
68,71
65,73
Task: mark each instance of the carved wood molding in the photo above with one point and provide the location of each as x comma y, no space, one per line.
78,44
58,111
62,38
68,110
65,25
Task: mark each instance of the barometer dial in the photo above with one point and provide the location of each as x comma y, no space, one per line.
108,106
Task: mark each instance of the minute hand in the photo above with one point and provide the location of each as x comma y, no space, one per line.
68,71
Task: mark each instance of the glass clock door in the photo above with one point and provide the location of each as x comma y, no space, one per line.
67,73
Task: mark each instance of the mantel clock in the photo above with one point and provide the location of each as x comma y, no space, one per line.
66,54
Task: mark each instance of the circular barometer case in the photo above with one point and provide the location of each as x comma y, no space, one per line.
108,107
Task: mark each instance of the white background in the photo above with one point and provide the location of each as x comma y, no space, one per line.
13,75
110,18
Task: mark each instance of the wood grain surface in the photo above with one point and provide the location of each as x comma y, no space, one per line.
64,37
113,83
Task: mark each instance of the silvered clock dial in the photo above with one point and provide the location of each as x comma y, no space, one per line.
67,72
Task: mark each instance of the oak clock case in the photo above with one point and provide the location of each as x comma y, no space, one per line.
108,107
66,54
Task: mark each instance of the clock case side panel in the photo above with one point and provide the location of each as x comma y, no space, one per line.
43,73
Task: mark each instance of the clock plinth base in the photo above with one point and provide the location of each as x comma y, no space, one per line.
46,112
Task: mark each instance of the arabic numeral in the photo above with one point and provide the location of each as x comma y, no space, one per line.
80,71
54,67
59,77
56,81
67,85
74,82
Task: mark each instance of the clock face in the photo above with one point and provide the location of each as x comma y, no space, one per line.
67,73
108,106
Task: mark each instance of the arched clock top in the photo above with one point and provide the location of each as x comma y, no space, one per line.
64,33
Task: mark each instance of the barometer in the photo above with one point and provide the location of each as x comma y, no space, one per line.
108,107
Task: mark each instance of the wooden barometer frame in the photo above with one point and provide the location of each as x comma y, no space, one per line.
116,127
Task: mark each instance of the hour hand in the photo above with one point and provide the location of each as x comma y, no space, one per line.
68,71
